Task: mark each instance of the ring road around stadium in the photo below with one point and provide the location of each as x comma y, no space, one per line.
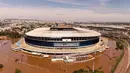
61,42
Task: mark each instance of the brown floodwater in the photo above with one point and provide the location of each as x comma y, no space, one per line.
35,64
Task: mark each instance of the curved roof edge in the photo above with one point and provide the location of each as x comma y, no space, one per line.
46,32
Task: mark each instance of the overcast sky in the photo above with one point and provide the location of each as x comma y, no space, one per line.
67,10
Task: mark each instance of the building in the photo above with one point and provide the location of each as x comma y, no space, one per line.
62,37
62,42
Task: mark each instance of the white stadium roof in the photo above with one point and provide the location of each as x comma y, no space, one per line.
46,32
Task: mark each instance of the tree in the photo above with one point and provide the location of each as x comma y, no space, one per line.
81,71
89,71
1,66
17,71
119,45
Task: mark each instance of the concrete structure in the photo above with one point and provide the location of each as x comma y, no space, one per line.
59,42
62,37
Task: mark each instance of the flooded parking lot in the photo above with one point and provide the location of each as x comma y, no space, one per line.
35,64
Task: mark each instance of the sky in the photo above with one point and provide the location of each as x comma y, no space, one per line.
67,10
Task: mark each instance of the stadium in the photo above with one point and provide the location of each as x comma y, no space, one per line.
62,42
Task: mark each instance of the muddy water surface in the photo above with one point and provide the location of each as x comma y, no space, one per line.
34,64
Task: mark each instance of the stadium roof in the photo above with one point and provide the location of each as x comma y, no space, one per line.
77,32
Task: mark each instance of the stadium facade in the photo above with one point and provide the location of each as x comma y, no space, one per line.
62,37
70,43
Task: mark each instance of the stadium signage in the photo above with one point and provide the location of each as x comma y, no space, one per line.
66,44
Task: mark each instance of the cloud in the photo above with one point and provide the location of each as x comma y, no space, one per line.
3,4
83,2
73,2
65,1
104,2
61,14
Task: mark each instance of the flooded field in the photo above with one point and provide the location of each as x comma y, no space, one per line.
34,64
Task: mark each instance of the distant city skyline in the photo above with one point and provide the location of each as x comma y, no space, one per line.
67,10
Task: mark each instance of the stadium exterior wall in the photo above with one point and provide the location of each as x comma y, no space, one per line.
62,44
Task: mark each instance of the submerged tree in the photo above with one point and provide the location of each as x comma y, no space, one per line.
1,66
17,71
89,71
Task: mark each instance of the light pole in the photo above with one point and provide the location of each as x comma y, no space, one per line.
93,65
94,62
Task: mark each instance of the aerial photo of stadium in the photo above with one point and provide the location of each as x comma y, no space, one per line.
64,43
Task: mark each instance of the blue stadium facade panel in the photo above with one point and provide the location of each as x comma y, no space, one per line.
61,43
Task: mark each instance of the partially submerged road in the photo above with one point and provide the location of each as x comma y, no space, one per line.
124,64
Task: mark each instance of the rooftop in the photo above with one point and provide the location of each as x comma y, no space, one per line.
62,32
